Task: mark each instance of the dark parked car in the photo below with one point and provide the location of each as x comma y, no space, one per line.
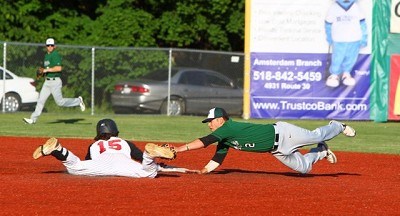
192,91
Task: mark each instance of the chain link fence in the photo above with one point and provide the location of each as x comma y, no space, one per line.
92,72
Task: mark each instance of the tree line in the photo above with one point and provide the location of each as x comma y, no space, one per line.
195,24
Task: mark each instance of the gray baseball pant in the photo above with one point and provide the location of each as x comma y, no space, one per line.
292,138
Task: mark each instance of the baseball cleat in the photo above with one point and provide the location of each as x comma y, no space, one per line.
330,156
47,148
28,121
82,104
347,130
156,151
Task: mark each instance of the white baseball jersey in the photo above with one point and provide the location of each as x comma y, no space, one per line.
111,158
114,145
345,24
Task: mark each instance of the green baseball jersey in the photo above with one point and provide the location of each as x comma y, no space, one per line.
245,137
50,60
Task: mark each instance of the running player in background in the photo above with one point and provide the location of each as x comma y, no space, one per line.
53,84
281,139
109,155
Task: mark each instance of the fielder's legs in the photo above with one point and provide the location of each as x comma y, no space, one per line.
292,137
301,163
44,94
56,86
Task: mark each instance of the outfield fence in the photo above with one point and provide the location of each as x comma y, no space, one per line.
92,71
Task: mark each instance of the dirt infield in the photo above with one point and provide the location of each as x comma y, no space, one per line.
246,184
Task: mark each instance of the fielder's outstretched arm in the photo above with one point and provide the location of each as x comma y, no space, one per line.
212,165
202,143
198,143
195,144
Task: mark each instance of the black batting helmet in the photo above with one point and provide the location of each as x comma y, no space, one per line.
105,129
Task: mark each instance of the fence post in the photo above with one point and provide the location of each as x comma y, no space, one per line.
4,76
169,80
93,74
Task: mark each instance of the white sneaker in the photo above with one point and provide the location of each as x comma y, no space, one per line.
28,121
332,81
156,151
82,104
347,130
47,148
348,80
330,156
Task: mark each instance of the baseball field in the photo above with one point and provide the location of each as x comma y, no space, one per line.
364,181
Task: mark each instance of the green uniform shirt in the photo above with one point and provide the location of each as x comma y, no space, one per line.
50,60
245,137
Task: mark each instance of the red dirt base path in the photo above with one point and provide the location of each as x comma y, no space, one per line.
246,184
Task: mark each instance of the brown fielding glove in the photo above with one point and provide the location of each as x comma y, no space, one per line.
163,151
39,73
171,148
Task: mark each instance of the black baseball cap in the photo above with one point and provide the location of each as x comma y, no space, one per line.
215,112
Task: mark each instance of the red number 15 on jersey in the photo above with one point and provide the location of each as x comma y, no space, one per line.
111,144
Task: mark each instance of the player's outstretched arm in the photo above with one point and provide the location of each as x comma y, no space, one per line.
212,165
195,144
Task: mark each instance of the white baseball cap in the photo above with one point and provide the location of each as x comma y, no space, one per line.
50,41
215,112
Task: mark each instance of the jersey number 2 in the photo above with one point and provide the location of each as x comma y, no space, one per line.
112,144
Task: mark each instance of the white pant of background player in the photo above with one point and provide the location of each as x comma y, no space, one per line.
112,165
53,86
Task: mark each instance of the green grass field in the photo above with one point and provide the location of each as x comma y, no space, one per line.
371,136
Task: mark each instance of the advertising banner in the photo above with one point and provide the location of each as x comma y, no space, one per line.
310,59
395,17
394,88
293,86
